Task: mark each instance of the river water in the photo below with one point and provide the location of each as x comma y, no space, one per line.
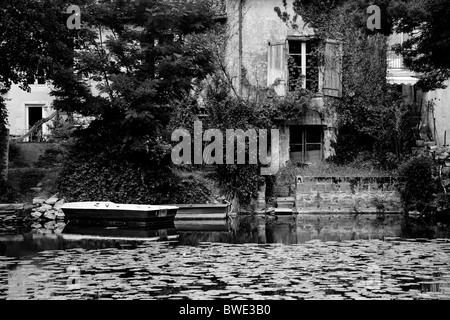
57,262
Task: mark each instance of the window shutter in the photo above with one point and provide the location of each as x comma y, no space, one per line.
332,76
276,67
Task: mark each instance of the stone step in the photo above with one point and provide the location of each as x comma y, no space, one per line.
285,202
283,211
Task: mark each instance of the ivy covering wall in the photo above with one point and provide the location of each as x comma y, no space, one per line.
372,117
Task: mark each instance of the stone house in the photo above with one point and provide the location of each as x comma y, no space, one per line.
27,108
260,50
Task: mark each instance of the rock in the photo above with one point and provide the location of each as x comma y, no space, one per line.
39,184
58,205
36,225
59,214
60,225
51,201
49,215
38,200
50,225
44,208
36,214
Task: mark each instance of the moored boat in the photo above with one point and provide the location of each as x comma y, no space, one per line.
112,212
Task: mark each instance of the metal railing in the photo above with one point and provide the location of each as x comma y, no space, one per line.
395,61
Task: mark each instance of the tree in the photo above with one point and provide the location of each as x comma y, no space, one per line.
426,52
144,59
33,37
125,67
141,56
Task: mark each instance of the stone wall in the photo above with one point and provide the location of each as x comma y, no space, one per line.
352,226
48,209
346,194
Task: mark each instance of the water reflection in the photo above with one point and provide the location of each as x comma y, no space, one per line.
26,240
158,232
260,229
234,259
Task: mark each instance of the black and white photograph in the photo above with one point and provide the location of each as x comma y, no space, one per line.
222,156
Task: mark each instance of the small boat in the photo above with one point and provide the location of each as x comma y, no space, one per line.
117,212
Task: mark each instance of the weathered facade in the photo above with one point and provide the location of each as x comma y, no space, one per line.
26,108
260,49
431,108
436,114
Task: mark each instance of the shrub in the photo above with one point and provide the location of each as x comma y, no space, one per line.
7,194
419,185
30,179
124,182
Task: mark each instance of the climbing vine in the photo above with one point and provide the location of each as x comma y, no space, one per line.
371,115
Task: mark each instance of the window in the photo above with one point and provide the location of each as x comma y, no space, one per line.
30,79
305,144
41,77
303,67
294,62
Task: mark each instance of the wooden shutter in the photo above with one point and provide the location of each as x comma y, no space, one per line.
276,67
332,74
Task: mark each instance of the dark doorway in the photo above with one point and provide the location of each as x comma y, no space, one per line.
34,115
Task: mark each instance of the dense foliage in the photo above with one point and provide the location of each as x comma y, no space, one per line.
85,177
145,58
426,52
419,183
33,37
371,114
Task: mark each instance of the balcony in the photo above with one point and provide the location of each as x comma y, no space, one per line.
395,61
397,72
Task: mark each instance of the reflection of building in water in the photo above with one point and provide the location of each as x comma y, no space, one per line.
21,283
435,286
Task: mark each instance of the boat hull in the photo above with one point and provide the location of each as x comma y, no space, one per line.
113,212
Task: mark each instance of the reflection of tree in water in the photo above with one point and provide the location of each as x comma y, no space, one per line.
30,244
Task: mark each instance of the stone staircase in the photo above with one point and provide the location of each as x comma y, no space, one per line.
285,205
